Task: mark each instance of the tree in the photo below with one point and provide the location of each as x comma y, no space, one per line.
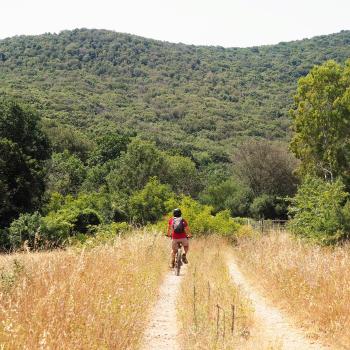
228,194
150,203
266,168
321,121
24,148
66,173
182,175
141,161
269,207
109,147
319,210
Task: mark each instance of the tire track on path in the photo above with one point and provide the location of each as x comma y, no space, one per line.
162,331
274,324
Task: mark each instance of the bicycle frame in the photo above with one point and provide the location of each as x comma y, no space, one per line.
178,258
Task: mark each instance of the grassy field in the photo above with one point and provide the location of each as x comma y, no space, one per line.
207,285
95,299
312,283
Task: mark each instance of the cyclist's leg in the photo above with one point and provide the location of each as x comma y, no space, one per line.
186,246
173,252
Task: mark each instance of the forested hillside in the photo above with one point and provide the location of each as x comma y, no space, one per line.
198,100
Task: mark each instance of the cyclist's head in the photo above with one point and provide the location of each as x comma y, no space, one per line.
177,213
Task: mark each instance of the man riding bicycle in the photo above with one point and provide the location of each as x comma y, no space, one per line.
179,231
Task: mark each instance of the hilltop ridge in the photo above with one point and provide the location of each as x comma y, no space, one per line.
194,98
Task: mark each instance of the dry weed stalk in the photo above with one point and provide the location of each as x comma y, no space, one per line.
96,299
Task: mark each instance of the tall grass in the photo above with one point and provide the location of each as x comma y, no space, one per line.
312,283
205,286
96,299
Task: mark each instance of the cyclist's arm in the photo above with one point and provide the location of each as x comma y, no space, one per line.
169,231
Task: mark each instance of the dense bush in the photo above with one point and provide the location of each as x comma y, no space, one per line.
319,211
26,230
269,207
149,204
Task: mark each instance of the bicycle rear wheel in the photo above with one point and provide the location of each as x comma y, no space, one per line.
178,261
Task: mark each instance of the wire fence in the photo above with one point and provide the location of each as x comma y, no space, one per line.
266,226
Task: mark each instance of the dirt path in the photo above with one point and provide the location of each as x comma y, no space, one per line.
162,331
274,324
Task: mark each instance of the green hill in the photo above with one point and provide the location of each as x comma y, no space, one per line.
192,98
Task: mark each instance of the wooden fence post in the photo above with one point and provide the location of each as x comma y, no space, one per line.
233,319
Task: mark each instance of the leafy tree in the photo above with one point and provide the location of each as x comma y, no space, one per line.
319,212
269,207
266,168
141,161
95,179
321,121
228,194
24,149
182,175
109,147
27,228
66,173
150,204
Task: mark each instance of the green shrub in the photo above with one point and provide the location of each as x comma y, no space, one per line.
27,228
149,204
318,211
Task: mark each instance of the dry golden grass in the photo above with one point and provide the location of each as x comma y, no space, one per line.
96,299
209,274
312,283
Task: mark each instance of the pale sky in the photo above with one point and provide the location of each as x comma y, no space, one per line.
201,22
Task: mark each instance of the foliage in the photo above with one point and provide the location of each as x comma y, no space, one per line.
105,234
109,147
67,138
318,211
67,216
321,121
136,166
182,175
228,194
24,149
266,168
150,204
66,173
269,207
26,229
97,79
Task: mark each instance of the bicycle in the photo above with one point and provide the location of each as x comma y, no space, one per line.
178,259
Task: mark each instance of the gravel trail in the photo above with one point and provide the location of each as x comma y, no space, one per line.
273,322
162,331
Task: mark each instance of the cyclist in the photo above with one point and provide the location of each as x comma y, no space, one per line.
179,231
